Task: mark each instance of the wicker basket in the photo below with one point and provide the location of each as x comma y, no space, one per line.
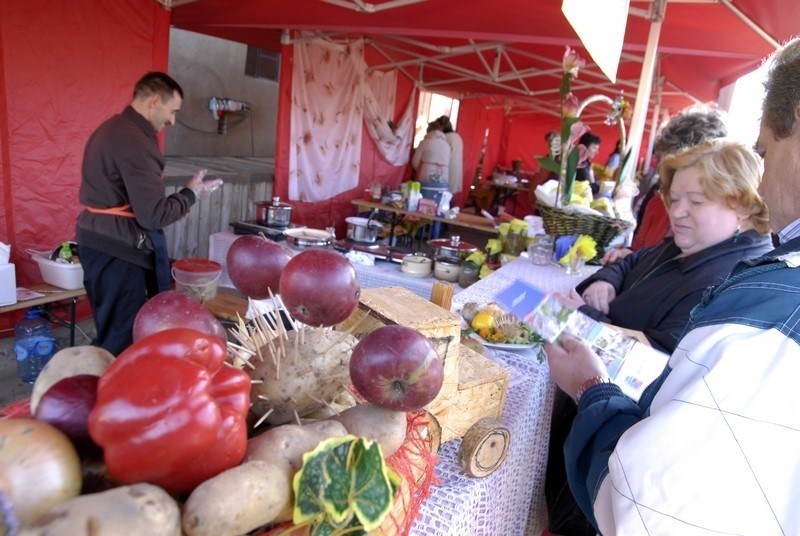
603,229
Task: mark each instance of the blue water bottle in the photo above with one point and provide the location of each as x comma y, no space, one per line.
33,343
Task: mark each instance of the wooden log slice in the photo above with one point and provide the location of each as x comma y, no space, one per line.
434,432
484,447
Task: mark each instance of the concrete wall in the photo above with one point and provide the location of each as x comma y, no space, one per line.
210,67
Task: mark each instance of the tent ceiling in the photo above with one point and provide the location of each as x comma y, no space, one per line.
509,51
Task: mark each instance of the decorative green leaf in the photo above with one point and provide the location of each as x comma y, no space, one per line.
565,83
338,472
344,487
373,494
549,164
572,168
310,482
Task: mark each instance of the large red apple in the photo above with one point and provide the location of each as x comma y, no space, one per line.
319,287
396,367
254,264
173,309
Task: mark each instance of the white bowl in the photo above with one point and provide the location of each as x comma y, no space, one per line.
416,265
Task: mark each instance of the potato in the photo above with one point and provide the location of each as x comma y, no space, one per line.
124,511
306,370
285,445
238,500
70,362
385,426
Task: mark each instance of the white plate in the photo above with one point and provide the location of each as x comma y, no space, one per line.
501,346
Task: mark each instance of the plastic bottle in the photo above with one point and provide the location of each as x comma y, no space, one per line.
33,343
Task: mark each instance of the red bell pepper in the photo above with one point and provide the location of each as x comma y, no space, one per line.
169,412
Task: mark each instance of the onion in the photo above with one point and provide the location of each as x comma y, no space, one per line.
39,467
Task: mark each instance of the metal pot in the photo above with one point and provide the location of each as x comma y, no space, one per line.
362,229
452,247
308,238
274,214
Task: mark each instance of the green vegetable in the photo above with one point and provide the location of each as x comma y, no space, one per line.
343,487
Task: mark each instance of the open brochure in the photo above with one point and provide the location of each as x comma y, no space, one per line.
631,364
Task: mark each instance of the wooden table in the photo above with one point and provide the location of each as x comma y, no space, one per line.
506,191
464,221
53,297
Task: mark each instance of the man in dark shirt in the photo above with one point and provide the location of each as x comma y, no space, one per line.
120,233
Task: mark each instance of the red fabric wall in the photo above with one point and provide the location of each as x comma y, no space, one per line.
65,66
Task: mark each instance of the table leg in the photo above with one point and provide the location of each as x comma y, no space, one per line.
72,304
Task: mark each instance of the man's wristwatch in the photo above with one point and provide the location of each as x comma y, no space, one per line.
591,382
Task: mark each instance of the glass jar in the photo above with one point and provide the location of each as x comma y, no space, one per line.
469,274
541,250
515,243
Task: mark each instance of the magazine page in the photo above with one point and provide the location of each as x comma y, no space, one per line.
631,364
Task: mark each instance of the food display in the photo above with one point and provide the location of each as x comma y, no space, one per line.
183,433
496,326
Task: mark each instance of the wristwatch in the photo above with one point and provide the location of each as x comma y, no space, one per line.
591,382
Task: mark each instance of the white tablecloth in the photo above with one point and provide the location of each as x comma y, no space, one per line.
381,274
511,500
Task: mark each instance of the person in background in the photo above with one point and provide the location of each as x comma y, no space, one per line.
686,129
456,167
591,146
711,447
613,161
120,235
718,218
431,159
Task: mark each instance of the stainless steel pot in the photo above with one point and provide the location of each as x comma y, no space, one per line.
362,229
308,238
273,214
452,247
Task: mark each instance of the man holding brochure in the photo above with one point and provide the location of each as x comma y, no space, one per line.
711,447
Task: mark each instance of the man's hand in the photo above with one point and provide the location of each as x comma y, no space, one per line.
203,188
572,363
599,295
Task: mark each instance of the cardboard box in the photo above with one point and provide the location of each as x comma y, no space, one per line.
8,284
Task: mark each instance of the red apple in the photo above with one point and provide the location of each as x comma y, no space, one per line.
173,309
396,367
319,287
254,264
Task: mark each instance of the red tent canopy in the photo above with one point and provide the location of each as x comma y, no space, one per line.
512,50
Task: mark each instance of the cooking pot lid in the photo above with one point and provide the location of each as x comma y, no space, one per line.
270,204
449,245
304,233
362,222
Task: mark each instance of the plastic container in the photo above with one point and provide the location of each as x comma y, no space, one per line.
59,274
34,344
197,278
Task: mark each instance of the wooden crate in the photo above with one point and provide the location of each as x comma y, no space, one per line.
482,388
385,306
474,387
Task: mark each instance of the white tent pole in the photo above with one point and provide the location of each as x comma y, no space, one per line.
651,140
636,131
